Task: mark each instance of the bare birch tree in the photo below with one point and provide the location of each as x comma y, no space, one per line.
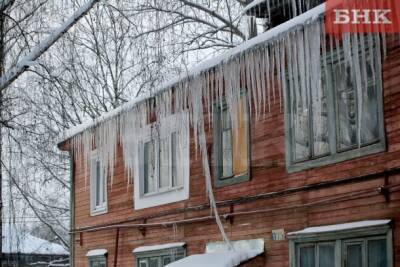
118,51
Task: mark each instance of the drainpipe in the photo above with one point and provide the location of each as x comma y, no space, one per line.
72,210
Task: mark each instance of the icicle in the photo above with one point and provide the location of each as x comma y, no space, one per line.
198,124
268,77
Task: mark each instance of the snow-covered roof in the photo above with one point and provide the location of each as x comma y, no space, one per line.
340,227
218,259
158,247
269,35
96,252
20,242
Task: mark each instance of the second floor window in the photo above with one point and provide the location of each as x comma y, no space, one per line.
162,162
326,126
98,186
231,143
162,156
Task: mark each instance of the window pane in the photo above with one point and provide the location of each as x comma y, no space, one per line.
149,168
354,255
164,174
377,253
153,262
177,161
226,144
307,256
98,184
326,255
346,107
369,118
143,263
300,116
320,121
103,189
166,260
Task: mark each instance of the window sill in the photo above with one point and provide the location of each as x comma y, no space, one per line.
226,181
164,197
174,189
98,211
336,158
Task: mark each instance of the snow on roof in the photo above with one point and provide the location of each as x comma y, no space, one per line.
158,247
19,242
340,227
269,35
96,252
218,259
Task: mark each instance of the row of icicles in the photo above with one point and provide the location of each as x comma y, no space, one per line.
290,63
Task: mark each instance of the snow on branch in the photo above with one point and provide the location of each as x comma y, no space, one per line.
43,46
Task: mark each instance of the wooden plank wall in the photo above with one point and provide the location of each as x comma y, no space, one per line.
268,174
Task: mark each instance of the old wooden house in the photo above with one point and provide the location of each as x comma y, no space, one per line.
284,151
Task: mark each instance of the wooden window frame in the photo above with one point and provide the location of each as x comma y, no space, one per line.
334,155
217,146
97,210
160,254
340,239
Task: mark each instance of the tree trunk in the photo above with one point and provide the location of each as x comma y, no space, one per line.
2,59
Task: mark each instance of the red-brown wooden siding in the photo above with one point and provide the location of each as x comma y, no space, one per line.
268,174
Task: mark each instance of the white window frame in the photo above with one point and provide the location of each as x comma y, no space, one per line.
101,209
158,130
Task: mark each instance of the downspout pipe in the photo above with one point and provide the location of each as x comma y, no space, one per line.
72,210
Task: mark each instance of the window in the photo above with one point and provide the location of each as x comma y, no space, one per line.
325,127
231,143
162,172
162,156
159,257
98,186
97,262
369,246
97,257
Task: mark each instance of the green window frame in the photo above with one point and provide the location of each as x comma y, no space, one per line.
98,261
334,103
222,128
159,258
361,247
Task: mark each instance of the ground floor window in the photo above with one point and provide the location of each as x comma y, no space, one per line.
359,244
159,255
97,257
